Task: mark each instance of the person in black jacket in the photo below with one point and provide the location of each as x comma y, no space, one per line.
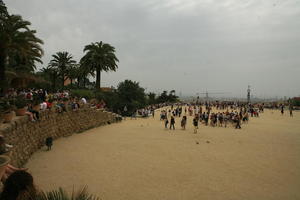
49,142
172,123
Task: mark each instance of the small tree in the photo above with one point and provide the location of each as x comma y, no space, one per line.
131,95
151,98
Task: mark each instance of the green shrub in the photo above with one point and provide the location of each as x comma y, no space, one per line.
296,102
20,102
88,94
5,105
36,99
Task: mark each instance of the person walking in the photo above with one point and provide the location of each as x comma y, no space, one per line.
172,123
291,111
195,123
238,122
183,122
166,122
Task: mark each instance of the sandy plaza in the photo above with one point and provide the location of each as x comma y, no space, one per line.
139,159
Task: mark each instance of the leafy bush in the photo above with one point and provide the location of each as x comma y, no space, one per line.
296,102
88,94
20,102
36,99
5,105
132,96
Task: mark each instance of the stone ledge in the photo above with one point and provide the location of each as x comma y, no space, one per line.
28,137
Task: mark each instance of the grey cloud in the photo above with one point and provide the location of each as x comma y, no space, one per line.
187,45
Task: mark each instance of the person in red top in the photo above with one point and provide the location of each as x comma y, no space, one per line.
49,104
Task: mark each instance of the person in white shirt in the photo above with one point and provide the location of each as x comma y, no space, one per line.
43,106
83,100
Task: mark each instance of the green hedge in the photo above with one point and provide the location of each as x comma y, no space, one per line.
88,94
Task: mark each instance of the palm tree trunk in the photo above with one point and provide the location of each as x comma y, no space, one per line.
53,82
98,79
63,80
78,82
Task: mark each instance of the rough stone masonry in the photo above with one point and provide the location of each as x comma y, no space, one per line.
27,137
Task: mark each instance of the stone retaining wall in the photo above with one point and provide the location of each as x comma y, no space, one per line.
27,137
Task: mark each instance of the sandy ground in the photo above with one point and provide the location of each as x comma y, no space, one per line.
139,159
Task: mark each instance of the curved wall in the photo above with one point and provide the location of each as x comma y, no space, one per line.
27,137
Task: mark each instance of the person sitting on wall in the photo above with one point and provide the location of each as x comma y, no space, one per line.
44,106
60,107
36,114
49,103
75,105
83,100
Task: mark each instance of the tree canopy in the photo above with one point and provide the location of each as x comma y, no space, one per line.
131,95
63,62
20,48
99,57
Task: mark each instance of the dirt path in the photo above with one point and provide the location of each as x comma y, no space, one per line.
138,159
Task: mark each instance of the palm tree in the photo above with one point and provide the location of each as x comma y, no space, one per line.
62,62
49,74
82,75
99,57
3,11
74,73
151,98
17,41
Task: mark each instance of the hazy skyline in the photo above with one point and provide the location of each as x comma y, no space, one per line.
187,45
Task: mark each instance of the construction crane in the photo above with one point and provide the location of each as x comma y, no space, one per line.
209,93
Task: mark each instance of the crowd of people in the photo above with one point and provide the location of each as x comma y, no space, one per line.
38,100
215,114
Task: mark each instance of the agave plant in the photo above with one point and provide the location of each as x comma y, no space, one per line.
61,194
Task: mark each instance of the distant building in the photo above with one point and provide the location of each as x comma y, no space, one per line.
296,101
107,89
296,98
67,82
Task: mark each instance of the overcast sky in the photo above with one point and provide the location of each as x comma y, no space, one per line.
187,45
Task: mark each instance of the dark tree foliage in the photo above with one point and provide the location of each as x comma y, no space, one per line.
63,63
151,98
99,57
295,102
20,48
165,97
131,95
